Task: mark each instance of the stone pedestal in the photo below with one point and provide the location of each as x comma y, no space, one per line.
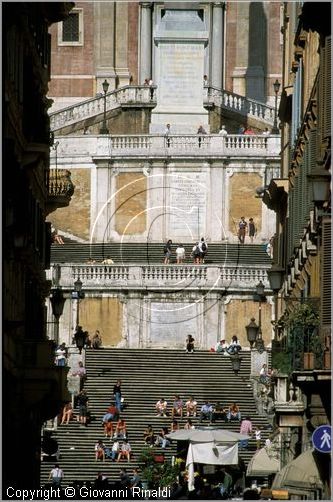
180,39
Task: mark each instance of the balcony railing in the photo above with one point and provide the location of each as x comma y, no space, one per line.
239,104
149,145
60,189
162,277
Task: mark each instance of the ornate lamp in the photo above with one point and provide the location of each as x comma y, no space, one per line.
252,330
275,277
319,179
104,129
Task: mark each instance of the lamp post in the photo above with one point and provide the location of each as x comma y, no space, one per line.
319,179
260,290
275,277
252,332
276,86
77,294
104,129
57,302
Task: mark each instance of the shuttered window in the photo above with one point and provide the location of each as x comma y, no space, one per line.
326,273
325,89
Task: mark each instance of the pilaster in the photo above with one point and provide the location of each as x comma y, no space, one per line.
145,41
217,45
104,21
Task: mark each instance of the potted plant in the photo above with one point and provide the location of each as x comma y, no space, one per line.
304,341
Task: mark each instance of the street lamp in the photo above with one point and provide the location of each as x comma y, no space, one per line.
252,332
276,87
260,290
104,129
57,303
319,179
78,294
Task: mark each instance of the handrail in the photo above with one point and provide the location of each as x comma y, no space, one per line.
93,106
240,104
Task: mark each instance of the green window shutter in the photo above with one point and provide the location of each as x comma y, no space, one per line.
326,274
327,87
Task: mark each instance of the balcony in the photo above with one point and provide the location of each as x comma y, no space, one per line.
158,146
60,189
163,277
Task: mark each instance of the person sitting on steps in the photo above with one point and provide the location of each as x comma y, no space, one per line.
125,451
100,451
191,407
161,407
120,429
177,407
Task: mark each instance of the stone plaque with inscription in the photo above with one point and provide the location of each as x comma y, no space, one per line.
187,207
170,323
180,40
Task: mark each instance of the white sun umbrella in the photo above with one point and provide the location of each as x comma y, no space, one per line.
207,436
208,446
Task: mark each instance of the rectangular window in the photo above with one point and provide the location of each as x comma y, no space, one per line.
70,28
70,31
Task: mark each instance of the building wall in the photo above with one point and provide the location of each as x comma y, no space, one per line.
72,70
33,389
112,39
164,320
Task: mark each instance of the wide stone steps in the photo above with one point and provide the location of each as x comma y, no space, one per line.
135,253
146,376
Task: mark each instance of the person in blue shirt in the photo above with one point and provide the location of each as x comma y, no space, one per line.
206,411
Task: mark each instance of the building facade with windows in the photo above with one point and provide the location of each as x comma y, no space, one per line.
301,274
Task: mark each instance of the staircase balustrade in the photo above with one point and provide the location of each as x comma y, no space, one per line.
143,95
145,145
159,276
239,104
130,95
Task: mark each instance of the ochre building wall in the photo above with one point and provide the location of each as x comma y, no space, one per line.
242,187
239,310
131,200
104,314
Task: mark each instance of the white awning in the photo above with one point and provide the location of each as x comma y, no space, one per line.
263,463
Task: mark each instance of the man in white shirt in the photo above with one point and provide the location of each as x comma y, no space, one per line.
56,474
223,131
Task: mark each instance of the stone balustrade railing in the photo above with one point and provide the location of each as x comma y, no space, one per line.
129,95
287,395
240,104
161,277
60,183
149,145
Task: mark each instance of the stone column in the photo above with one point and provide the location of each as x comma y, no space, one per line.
217,45
104,44
145,42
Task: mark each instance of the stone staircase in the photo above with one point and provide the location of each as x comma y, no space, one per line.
65,119
73,252
146,376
